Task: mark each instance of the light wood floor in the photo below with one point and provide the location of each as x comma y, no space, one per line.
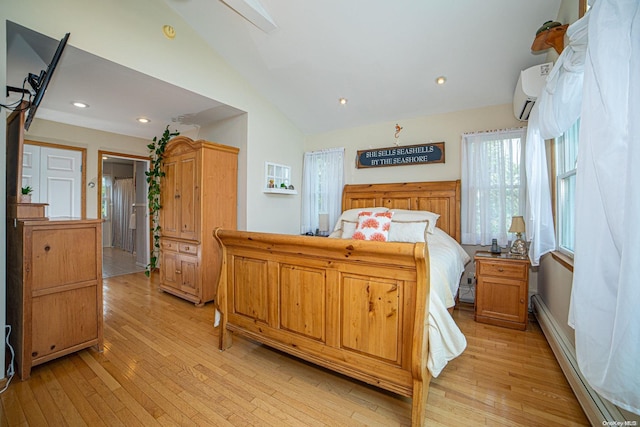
116,262
160,366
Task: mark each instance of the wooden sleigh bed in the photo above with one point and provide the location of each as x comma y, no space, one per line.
357,307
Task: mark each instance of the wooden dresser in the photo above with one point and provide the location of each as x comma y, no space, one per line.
502,289
198,194
54,289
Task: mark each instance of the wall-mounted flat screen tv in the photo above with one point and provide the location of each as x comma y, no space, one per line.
40,82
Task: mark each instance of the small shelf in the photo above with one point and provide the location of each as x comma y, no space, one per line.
275,176
279,191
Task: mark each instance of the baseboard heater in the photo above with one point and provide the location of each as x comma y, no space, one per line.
596,408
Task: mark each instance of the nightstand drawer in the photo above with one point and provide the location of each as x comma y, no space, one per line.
502,269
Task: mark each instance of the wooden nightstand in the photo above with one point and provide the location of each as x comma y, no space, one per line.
502,290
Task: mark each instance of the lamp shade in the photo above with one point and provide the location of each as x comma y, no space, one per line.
323,222
517,225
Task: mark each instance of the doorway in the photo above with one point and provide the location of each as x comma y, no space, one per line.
122,193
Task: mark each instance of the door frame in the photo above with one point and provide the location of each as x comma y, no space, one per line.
134,157
83,169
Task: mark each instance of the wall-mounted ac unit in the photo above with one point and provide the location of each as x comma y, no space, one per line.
528,89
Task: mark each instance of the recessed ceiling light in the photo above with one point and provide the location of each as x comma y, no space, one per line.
80,104
169,32
143,120
342,101
441,80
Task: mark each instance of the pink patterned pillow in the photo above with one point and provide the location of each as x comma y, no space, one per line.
373,226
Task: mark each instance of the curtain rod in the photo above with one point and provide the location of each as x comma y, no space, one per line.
494,130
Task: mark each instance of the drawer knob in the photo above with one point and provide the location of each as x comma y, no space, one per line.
521,301
47,248
186,248
178,272
500,269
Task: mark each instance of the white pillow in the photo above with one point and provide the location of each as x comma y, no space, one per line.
404,215
348,228
407,231
335,234
351,215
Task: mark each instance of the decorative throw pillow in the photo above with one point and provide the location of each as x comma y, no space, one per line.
373,226
351,215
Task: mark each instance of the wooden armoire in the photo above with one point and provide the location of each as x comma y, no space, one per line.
198,194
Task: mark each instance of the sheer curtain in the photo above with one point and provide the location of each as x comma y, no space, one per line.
122,235
493,185
605,294
555,111
322,182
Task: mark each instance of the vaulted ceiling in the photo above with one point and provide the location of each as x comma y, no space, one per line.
382,56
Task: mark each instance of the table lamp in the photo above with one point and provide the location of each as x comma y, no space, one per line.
519,246
323,224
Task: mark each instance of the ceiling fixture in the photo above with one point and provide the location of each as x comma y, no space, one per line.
342,101
169,32
441,80
143,120
80,104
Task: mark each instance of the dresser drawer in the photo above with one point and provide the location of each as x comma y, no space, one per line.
169,245
188,248
502,269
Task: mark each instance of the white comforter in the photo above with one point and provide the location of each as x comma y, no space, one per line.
446,260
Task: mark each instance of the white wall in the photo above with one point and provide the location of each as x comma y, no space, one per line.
447,127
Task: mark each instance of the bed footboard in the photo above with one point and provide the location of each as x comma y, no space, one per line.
357,307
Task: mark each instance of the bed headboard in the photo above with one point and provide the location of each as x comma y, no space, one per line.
441,197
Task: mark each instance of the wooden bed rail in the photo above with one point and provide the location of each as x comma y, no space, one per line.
357,307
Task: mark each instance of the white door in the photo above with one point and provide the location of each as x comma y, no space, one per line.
59,179
31,170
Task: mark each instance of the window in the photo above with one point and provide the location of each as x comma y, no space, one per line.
493,184
566,153
322,189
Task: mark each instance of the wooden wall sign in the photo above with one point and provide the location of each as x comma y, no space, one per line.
398,156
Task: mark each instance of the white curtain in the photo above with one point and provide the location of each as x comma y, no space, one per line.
493,188
122,234
606,294
322,182
557,108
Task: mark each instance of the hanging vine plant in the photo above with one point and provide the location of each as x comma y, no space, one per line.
154,174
